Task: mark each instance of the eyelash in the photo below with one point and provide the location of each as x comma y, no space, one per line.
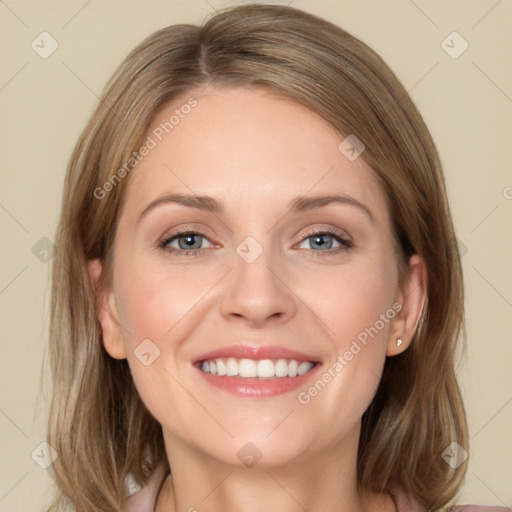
345,244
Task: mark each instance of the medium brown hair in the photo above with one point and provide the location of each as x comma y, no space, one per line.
98,424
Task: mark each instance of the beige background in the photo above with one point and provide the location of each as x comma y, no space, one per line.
466,102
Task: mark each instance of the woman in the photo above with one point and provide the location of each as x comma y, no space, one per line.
257,290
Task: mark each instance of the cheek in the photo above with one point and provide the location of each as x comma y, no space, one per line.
153,299
356,306
353,300
159,306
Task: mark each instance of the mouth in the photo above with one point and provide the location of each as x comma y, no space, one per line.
250,368
256,371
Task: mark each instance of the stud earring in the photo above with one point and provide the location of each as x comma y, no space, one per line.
399,342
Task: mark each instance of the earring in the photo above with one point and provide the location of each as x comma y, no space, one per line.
399,342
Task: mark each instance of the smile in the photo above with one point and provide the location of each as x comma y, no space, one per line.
262,369
256,371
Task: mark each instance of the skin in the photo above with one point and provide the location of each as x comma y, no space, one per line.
255,152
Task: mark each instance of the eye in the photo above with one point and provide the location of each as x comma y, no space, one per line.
186,243
190,243
322,242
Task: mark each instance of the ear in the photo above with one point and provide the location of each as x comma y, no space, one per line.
107,313
412,295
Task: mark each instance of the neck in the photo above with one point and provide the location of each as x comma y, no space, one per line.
326,482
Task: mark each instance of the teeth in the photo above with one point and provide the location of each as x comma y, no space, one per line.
247,368
221,367
231,367
303,368
292,368
281,368
263,368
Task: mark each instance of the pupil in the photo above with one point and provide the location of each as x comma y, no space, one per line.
318,241
189,241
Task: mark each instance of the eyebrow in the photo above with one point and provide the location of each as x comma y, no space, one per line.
297,205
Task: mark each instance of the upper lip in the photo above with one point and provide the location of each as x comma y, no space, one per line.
242,351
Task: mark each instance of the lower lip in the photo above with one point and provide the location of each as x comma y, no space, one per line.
257,387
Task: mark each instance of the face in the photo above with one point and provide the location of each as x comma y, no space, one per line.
263,274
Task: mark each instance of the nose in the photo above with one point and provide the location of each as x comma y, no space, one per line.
257,293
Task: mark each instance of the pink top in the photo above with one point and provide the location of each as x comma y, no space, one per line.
143,499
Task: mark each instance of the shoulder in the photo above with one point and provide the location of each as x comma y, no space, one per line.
405,503
143,498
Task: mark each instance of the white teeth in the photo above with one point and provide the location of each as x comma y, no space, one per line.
231,367
292,368
221,367
247,368
281,368
303,368
263,368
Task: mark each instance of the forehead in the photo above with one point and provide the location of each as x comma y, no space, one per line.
249,148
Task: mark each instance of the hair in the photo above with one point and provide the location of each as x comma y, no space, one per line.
98,424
